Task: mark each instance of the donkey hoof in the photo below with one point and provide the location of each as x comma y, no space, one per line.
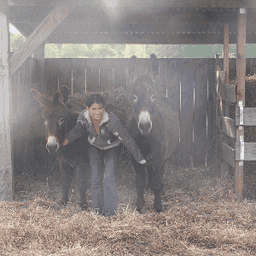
84,207
63,202
158,207
138,210
140,203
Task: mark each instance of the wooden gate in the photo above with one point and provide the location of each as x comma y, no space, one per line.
235,149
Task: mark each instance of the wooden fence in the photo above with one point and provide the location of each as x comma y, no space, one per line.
190,83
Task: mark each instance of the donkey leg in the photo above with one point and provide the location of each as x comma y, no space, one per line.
155,183
82,175
140,184
66,178
158,203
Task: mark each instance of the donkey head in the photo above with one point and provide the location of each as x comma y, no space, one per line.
143,92
59,119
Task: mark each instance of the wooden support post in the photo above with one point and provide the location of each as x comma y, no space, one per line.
240,74
226,65
226,52
217,144
6,173
58,14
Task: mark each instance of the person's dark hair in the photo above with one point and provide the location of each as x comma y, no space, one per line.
95,98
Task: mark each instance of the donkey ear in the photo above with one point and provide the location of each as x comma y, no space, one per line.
64,94
133,71
56,99
153,69
40,98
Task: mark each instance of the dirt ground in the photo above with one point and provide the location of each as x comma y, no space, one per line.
201,216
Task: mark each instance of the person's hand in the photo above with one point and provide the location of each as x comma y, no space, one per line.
143,162
65,142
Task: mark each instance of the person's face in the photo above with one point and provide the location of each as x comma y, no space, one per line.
96,111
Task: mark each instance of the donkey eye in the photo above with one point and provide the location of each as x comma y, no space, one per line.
135,98
61,121
152,97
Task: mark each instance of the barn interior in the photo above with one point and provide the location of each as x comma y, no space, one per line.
209,117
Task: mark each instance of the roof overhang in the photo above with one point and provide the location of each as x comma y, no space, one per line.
149,22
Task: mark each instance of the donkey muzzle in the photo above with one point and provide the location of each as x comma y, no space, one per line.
145,123
52,144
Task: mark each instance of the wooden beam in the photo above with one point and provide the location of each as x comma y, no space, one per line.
240,74
249,151
226,53
249,116
38,3
228,126
57,15
6,172
165,3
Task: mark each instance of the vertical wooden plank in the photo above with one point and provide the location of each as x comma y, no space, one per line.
200,110
29,127
65,73
120,73
6,168
15,81
107,79
240,71
173,94
232,69
79,76
51,76
248,66
211,157
217,110
162,78
226,52
186,111
93,75
143,64
226,105
21,119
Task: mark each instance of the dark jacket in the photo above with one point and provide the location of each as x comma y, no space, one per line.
111,134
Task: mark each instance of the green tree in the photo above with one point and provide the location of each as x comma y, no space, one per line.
16,40
135,49
52,51
73,51
102,51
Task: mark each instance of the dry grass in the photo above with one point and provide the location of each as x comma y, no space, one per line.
202,218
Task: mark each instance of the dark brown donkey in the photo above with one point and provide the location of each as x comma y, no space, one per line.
60,117
154,127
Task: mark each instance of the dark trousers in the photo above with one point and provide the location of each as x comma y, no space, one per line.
103,165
